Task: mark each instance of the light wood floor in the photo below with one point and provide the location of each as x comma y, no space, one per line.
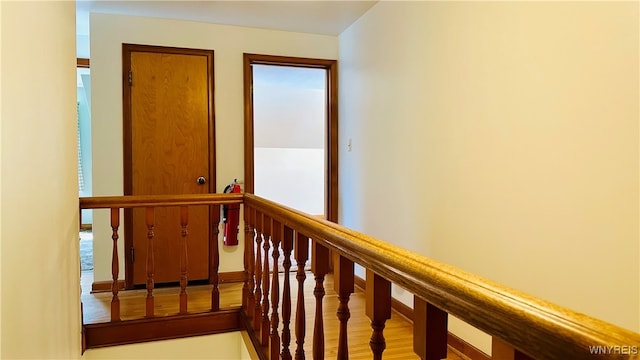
398,330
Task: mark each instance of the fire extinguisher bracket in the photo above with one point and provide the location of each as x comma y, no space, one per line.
231,216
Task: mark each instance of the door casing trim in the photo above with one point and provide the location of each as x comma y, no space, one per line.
331,166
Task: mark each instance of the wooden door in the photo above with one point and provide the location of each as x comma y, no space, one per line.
168,140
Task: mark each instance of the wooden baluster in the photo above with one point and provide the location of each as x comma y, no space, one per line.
264,331
149,221
247,288
378,309
319,267
257,311
115,301
501,350
214,253
343,281
184,221
287,246
301,254
276,236
429,330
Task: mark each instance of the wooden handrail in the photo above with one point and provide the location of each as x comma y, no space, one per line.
535,327
130,201
150,203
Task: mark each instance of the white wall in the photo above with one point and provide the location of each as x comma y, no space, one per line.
1,180
40,268
502,138
108,32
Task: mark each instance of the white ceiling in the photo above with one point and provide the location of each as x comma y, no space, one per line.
319,17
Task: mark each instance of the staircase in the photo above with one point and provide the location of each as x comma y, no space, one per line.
279,302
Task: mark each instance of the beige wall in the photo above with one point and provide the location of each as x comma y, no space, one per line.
502,138
40,268
0,181
224,346
108,32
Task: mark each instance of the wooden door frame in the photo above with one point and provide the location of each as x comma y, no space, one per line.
127,49
331,166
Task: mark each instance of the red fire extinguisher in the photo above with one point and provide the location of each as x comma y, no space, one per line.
231,216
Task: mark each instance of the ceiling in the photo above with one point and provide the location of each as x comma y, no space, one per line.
318,17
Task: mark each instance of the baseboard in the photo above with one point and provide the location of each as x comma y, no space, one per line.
105,286
453,341
225,277
465,348
231,277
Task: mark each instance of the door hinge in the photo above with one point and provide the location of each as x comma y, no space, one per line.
130,78
133,255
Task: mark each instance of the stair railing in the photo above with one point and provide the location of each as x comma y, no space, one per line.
277,238
521,326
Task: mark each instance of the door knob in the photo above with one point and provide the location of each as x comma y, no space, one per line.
201,180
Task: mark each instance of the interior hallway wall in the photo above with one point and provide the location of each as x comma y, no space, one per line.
40,314
501,138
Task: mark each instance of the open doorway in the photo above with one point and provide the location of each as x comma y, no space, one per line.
289,136
291,132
